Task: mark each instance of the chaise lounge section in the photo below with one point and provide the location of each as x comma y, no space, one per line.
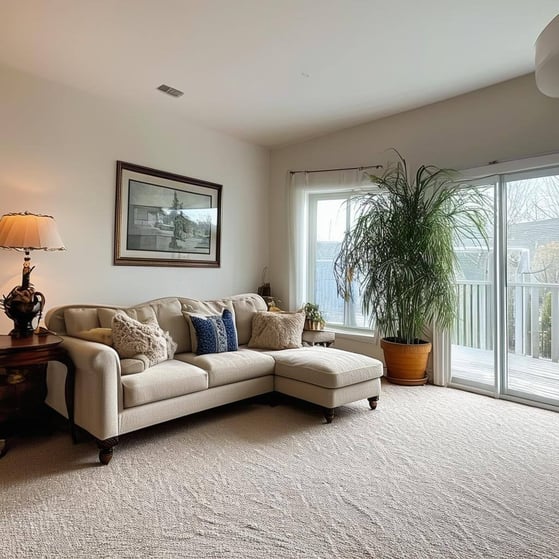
121,388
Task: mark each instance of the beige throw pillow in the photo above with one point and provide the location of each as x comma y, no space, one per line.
272,330
132,338
99,335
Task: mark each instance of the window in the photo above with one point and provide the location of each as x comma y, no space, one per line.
329,216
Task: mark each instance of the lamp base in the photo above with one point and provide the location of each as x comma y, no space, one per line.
23,305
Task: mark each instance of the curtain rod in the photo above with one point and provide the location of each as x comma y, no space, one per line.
339,169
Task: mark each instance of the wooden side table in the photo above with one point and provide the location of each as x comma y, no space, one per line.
318,337
38,350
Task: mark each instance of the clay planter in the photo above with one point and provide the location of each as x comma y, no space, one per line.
313,325
406,363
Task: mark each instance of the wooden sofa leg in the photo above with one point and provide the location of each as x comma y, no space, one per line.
373,402
106,449
328,414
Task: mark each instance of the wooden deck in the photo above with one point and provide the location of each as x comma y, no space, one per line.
531,376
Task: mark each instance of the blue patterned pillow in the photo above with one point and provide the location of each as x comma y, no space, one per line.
215,334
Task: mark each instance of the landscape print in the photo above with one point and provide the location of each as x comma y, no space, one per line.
164,219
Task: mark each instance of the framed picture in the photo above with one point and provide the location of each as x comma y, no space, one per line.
163,219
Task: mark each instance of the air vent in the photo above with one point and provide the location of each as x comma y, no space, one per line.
170,90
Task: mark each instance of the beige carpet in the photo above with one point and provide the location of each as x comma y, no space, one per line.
432,473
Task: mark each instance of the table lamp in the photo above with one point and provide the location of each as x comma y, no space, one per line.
25,232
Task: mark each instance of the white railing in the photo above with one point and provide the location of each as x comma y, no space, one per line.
532,318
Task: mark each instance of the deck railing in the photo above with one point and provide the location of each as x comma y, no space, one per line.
532,318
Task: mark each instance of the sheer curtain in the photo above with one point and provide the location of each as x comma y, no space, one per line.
301,185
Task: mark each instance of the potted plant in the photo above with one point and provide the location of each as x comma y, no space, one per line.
400,254
314,320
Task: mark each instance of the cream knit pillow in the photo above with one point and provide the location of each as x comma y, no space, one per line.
274,330
132,338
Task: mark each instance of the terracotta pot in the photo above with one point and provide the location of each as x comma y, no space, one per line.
406,363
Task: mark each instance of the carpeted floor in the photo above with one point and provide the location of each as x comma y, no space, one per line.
432,473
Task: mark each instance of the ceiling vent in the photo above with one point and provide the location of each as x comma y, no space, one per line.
170,90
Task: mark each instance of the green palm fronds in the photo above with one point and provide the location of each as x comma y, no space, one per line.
400,249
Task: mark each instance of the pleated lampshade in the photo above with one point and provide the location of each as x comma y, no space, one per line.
27,231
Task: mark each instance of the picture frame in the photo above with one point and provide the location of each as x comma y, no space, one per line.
165,219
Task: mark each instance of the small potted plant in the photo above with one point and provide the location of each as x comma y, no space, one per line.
314,320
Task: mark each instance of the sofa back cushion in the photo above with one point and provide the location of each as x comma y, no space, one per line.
73,319
79,319
168,313
246,306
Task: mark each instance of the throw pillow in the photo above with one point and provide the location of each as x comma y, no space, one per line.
214,333
204,308
273,330
132,338
99,335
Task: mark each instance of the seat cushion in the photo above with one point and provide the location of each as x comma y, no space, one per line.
168,379
327,367
226,368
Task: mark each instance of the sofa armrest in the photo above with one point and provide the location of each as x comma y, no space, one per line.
98,392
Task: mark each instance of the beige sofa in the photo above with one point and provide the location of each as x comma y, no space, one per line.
115,395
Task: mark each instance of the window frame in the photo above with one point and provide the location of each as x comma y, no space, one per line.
312,198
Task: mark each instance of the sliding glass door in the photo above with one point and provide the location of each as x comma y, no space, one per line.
473,335
506,338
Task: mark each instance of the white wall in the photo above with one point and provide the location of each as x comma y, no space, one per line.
507,121
58,153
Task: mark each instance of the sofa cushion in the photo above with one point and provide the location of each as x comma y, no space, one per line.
169,316
168,379
214,333
272,330
131,338
246,306
134,365
202,308
327,367
143,313
78,319
226,368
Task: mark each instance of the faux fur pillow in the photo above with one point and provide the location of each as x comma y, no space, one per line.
273,330
132,338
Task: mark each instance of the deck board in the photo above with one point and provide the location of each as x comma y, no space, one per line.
531,376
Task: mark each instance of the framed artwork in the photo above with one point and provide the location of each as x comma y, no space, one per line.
164,219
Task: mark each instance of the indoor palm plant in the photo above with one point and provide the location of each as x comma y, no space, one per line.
400,255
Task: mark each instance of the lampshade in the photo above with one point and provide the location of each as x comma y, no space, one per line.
547,59
27,231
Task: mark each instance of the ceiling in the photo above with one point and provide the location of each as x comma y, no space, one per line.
275,72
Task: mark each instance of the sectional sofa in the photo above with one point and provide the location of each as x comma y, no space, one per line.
175,356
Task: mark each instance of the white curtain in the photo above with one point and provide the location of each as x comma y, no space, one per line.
300,185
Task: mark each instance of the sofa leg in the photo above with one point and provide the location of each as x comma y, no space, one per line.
273,400
329,414
106,449
373,402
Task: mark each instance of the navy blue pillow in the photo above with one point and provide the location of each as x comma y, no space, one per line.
215,334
